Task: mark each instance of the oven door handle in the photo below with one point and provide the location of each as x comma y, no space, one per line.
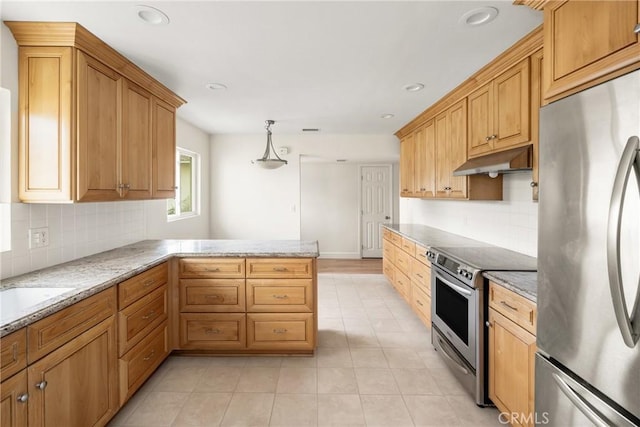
458,289
445,353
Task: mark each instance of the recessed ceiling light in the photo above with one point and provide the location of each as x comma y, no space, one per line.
480,16
414,87
215,86
151,15
387,116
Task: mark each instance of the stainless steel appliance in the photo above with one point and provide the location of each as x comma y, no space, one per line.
588,364
458,308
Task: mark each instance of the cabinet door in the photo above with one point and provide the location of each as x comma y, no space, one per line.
586,40
136,142
442,155
76,385
480,121
511,366
457,147
164,150
407,166
99,136
537,98
425,160
511,107
13,401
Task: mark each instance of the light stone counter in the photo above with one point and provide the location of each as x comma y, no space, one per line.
90,275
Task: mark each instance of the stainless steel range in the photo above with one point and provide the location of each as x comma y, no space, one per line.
459,309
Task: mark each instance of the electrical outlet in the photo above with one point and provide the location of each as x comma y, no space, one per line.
38,237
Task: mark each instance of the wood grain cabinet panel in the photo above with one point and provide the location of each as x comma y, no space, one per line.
140,318
14,401
207,331
80,374
517,308
279,295
13,353
266,268
212,295
164,150
588,42
425,160
407,166
421,304
194,268
281,331
140,285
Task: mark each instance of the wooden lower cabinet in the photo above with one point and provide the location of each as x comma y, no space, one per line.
511,368
76,385
278,295
14,400
280,331
213,331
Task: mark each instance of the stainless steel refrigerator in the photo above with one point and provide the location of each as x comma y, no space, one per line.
588,360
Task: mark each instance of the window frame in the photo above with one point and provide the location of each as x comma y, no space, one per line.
195,190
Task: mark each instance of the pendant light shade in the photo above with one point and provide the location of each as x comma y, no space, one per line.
268,162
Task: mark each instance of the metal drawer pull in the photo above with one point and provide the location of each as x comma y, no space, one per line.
419,275
420,303
279,268
280,331
148,282
212,331
285,296
213,270
41,385
149,356
504,303
220,297
23,398
149,315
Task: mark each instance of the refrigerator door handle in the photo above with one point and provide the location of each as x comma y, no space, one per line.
579,402
628,325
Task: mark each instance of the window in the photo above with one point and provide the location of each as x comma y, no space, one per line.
187,200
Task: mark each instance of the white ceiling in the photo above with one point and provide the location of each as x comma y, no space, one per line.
337,66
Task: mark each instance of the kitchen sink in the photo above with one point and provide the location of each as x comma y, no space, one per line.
15,301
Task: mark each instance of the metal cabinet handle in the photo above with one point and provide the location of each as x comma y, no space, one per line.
148,282
279,268
279,331
220,297
213,270
579,402
149,315
510,307
41,385
446,354
149,356
637,29
211,331
627,324
488,324
285,296
23,398
420,303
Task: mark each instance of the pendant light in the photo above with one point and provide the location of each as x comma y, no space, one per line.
268,162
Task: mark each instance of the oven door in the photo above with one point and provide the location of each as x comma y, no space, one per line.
454,312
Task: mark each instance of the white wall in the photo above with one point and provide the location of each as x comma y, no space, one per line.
511,223
253,203
77,230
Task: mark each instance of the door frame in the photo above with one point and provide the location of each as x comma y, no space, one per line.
389,198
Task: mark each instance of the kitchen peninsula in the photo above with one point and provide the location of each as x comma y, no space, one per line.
118,314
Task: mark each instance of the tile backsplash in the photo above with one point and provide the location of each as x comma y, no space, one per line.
75,230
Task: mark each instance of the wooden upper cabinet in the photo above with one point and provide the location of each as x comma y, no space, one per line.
588,42
93,126
499,112
164,150
407,166
425,160
451,151
537,101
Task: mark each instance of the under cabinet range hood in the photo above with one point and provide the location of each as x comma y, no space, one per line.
508,161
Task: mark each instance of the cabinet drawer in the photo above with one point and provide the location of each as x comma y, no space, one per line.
212,295
408,246
388,251
403,262
138,286
204,331
396,239
389,270
277,295
265,268
421,275
402,284
421,304
13,353
135,321
514,307
55,330
421,255
139,363
288,331
386,234
211,268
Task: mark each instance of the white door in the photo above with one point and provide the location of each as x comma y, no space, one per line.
375,207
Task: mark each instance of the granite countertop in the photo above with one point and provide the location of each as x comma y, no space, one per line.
433,237
524,283
89,275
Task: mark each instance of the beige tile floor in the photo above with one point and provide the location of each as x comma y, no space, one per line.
374,366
